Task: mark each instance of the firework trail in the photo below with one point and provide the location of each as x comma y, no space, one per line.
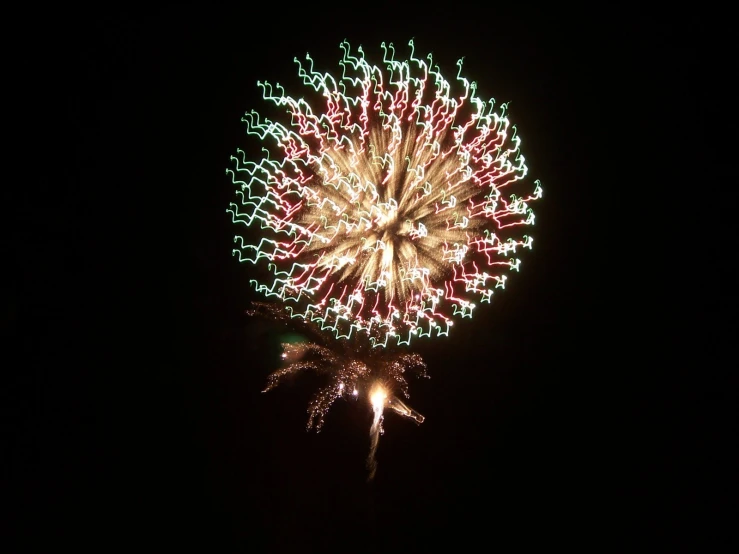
378,398
387,204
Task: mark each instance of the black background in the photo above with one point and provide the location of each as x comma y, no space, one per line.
592,405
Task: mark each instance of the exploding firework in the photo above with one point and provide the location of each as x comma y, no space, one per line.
351,369
387,205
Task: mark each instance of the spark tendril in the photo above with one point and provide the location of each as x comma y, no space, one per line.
390,207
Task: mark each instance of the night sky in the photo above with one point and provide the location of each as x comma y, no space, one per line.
575,411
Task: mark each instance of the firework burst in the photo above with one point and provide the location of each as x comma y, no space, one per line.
388,204
350,369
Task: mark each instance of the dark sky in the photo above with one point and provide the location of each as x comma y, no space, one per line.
575,411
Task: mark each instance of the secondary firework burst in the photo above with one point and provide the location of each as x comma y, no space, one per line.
389,202
352,370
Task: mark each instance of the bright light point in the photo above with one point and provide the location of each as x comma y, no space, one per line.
341,386
355,392
378,397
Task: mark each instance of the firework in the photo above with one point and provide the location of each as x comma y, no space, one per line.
352,370
390,202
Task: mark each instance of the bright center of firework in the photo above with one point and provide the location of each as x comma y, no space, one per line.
378,397
389,232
